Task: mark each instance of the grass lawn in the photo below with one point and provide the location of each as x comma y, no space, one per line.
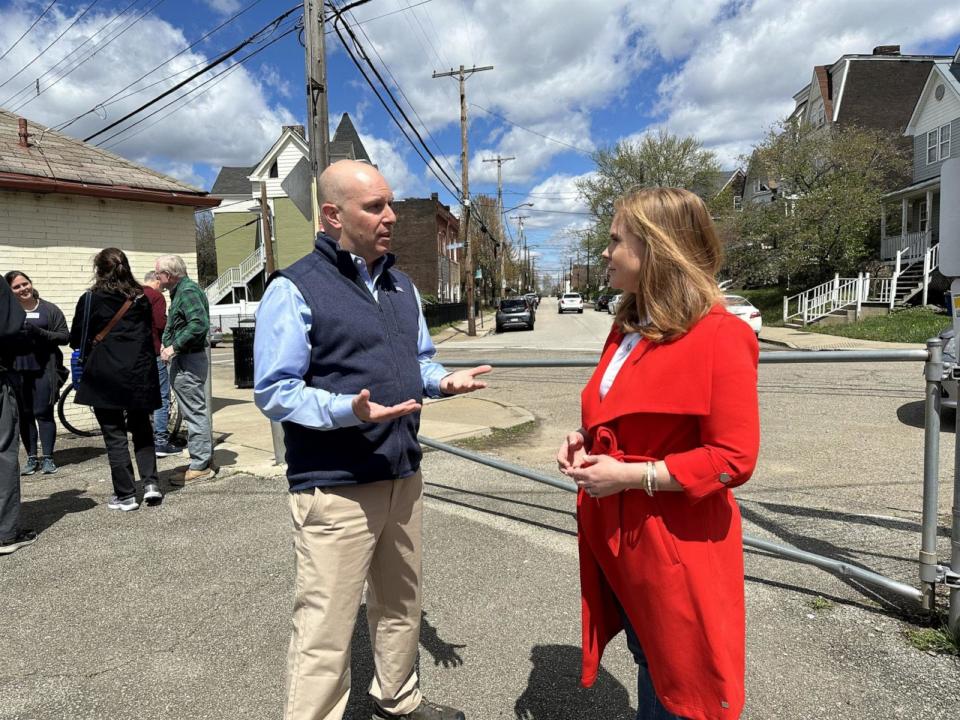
912,325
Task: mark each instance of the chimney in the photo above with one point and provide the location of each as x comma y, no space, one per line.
886,50
298,129
23,134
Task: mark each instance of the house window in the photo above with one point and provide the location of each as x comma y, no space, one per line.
274,171
923,216
938,144
737,203
760,186
820,117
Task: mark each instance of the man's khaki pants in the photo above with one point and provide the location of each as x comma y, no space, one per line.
343,536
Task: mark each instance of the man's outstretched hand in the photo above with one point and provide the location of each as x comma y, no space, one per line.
374,412
464,381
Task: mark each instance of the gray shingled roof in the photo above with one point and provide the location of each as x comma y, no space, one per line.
57,156
346,132
882,93
233,181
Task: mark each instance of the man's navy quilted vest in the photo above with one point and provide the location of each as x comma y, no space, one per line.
356,343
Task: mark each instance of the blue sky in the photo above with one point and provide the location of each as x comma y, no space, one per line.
579,75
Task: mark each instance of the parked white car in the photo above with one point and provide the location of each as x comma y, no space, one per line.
570,301
744,309
614,304
948,387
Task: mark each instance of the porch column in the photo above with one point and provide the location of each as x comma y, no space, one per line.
928,233
903,222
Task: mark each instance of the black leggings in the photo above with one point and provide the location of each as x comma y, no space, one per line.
34,426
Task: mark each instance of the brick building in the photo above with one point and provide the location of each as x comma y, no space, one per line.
423,241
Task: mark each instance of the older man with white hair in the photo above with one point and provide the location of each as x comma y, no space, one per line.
185,341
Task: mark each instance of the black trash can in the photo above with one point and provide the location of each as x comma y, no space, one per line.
243,355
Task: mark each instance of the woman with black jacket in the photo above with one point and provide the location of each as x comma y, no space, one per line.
120,378
39,365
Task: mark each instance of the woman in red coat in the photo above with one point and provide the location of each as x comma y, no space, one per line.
670,426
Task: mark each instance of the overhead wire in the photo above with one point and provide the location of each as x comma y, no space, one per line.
89,56
40,54
584,151
27,31
105,103
212,81
273,24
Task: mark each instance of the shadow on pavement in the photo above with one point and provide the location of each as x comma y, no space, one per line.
554,693
79,454
220,402
912,414
46,512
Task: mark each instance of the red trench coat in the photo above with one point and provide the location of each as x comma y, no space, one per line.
675,561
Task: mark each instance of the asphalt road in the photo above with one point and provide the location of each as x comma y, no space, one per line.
183,611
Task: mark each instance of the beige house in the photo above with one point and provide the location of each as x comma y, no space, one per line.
63,200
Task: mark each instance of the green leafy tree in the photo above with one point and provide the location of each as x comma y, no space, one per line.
827,214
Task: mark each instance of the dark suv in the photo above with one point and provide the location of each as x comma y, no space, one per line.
515,312
602,302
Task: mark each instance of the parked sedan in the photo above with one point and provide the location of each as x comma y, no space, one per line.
602,302
744,309
215,336
515,312
614,302
948,387
572,302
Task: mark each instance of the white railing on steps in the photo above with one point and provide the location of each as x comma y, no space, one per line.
237,275
841,293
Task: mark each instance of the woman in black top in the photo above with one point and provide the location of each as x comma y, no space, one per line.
39,365
120,378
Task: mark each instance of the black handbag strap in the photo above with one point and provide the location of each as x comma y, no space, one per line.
86,324
98,338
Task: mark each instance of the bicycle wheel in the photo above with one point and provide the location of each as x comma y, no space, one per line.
78,419
175,417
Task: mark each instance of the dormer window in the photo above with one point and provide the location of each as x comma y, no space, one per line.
274,171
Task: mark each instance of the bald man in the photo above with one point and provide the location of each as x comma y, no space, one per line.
342,359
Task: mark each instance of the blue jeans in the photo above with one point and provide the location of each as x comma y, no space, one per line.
648,704
188,375
161,416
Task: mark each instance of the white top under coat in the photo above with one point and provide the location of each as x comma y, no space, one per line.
627,344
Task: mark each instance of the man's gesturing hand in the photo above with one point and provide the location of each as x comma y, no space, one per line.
374,412
464,381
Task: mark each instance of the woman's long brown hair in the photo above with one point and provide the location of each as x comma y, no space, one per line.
114,274
680,254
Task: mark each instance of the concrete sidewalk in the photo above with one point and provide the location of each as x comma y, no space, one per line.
244,443
797,339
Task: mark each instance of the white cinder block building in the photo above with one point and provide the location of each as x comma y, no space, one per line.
63,200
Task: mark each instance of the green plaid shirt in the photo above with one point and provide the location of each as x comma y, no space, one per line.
188,322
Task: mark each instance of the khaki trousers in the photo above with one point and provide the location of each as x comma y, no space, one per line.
343,536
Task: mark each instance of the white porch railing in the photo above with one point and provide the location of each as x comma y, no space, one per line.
237,275
840,293
913,246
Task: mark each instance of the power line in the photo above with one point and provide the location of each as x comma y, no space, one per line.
40,54
25,32
220,60
215,79
63,126
387,14
89,56
534,132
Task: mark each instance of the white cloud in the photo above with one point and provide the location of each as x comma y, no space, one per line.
211,129
224,7
393,166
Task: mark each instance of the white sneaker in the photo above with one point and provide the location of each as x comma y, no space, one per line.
152,495
126,505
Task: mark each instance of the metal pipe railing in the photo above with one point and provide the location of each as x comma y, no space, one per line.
930,571
842,568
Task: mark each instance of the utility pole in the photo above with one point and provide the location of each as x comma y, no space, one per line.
524,256
266,230
463,74
503,236
318,124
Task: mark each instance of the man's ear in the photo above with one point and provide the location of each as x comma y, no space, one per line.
330,216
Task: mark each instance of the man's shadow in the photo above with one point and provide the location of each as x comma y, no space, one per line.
442,653
45,512
554,693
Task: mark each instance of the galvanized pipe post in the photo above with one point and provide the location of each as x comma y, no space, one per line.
933,374
953,618
279,446
208,398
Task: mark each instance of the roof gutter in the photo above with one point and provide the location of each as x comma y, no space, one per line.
32,183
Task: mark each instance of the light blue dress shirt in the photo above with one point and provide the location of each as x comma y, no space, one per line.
282,357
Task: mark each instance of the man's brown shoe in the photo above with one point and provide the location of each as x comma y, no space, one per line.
426,710
191,477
